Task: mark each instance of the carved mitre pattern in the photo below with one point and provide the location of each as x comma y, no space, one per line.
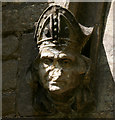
59,26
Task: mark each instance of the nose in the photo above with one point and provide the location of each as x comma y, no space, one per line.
58,68
56,73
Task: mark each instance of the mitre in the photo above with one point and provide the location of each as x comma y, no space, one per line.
57,26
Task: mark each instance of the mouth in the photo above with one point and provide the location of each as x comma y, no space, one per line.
57,83
53,83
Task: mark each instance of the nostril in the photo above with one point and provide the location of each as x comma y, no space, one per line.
61,70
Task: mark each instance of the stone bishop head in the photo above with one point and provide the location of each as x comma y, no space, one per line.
60,39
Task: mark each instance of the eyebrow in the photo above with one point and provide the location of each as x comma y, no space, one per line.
45,55
67,56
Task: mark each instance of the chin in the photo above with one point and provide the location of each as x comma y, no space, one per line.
56,89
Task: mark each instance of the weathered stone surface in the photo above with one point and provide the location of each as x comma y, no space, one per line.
104,85
24,100
9,45
27,50
0,104
9,71
8,105
114,52
109,46
24,92
89,14
21,17
108,41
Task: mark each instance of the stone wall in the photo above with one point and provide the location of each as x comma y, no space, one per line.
19,50
18,47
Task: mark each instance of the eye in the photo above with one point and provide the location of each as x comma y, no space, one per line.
47,61
65,62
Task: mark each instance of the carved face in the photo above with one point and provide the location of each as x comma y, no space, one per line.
60,70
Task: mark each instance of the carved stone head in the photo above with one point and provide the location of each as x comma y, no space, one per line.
60,68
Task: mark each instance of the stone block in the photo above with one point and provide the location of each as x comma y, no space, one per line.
21,17
9,71
9,45
27,50
8,103
24,91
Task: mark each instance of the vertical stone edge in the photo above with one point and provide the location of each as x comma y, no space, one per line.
113,57
0,60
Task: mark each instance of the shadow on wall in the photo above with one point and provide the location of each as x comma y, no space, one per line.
89,14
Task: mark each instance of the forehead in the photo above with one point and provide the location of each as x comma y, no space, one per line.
56,53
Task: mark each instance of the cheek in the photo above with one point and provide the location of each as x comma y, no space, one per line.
70,71
72,76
